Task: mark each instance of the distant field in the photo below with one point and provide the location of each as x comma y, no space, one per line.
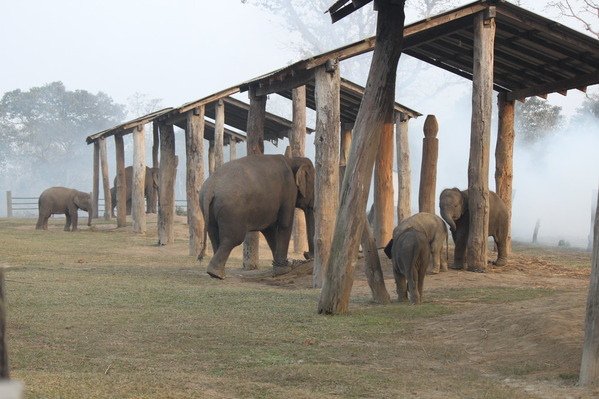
105,313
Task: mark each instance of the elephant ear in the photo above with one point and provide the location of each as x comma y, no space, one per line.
388,248
80,200
304,181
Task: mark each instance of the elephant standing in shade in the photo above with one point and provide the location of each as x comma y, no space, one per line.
63,200
150,187
257,193
454,210
435,231
410,251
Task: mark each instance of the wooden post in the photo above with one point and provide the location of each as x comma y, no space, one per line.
105,179
255,145
194,147
326,185
138,209
383,187
153,200
4,370
404,172
372,269
376,109
589,368
219,133
96,180
168,170
121,182
428,167
232,149
535,233
593,216
480,137
504,158
211,160
297,142
9,204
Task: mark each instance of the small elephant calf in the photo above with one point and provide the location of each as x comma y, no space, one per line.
410,252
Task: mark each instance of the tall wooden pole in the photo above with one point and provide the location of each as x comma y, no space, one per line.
232,149
480,136
211,158
105,179
383,187
168,170
255,145
326,185
589,367
4,370
96,179
504,158
121,182
593,216
428,168
138,209
376,109
404,172
153,200
219,133
297,142
194,147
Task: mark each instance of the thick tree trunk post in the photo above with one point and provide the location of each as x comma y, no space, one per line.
326,187
504,158
153,199
121,182
194,147
255,145
593,216
376,109
589,368
383,187
372,269
232,149
404,172
9,204
297,142
105,179
138,206
96,179
211,159
219,133
4,370
345,146
428,168
480,136
168,170
535,233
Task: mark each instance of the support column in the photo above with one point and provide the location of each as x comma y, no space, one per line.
232,149
96,180
404,172
211,160
428,168
168,170
194,147
105,179
345,144
478,165
138,181
504,158
593,216
121,182
383,187
219,133
255,145
153,199
297,142
326,190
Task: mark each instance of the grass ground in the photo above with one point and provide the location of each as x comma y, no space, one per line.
104,313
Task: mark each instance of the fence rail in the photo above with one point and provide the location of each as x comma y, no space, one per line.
23,204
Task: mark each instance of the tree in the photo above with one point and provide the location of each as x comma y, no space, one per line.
590,106
44,130
535,119
140,104
585,12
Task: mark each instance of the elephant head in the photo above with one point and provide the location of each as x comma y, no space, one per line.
304,173
453,204
84,202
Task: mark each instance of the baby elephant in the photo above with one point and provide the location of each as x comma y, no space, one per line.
63,200
410,252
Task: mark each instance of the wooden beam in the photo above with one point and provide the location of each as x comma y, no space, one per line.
96,179
168,170
194,149
326,190
404,174
573,83
138,209
278,83
207,100
219,133
504,158
121,182
297,142
428,167
105,179
478,164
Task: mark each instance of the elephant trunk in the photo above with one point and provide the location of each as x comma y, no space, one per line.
309,213
448,219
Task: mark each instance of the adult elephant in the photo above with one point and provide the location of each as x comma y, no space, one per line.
63,200
150,187
257,193
454,210
435,231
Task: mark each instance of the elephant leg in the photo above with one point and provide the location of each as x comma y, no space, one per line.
421,274
501,251
282,237
42,222
270,234
400,284
461,241
67,226
216,266
214,238
74,218
412,288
